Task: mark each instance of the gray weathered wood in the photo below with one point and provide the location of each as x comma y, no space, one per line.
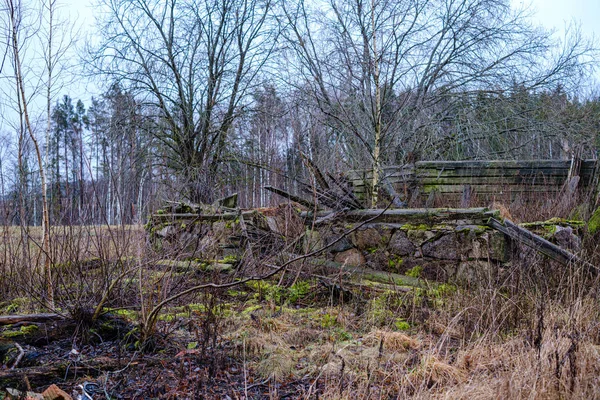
14,319
283,193
408,215
536,242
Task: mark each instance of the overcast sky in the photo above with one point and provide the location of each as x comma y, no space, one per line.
553,14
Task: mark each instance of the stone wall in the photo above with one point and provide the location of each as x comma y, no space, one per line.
439,244
440,252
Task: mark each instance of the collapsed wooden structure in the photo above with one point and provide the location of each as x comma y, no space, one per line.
456,181
410,236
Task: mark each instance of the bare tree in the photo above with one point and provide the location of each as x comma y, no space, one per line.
193,61
386,73
14,10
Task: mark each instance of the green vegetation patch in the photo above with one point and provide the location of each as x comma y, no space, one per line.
23,331
594,222
278,294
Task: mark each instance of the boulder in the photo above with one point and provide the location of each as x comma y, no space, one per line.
419,236
444,248
566,238
400,244
343,243
366,239
350,257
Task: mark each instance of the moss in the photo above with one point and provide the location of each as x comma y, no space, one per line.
169,317
383,308
251,309
236,293
395,263
23,331
411,227
339,334
278,294
553,222
550,229
328,321
563,221
18,304
124,313
401,325
230,259
594,222
415,272
479,229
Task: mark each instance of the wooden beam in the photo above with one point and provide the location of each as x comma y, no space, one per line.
299,200
536,242
14,319
414,215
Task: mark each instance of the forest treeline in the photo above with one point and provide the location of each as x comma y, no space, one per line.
203,98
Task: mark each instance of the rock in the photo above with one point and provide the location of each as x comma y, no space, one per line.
351,257
342,245
419,236
367,239
444,248
473,272
400,244
167,232
498,246
566,238
313,240
227,202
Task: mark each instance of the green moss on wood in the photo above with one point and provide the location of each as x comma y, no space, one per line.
594,222
23,331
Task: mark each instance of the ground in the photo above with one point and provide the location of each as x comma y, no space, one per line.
261,340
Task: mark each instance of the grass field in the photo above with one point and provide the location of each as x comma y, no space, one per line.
529,333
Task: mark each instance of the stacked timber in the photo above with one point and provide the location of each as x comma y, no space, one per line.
487,179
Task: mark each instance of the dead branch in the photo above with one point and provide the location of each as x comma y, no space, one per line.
15,319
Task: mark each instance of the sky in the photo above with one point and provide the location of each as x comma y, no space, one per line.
552,14
555,13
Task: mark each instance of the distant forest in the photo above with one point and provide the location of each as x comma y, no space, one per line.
206,98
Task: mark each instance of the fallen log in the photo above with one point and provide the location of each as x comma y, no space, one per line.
416,215
15,319
299,200
45,374
371,275
537,243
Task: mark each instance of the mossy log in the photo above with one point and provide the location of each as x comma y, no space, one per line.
366,275
475,216
202,266
44,317
40,376
537,243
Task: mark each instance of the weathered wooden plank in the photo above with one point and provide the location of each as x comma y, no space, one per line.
283,193
536,242
228,216
486,180
422,215
498,189
494,164
491,172
13,319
